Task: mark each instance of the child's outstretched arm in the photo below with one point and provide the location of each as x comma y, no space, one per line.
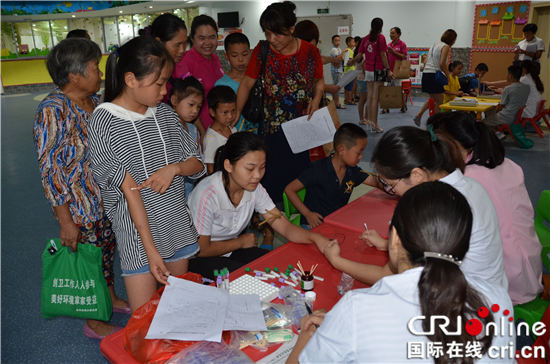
313,218
373,239
139,217
293,232
364,273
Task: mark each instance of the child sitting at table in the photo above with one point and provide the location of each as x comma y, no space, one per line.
330,181
514,97
223,203
452,90
470,83
428,244
222,105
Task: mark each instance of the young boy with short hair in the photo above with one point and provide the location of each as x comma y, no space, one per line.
222,106
470,82
336,73
329,182
348,97
237,52
514,97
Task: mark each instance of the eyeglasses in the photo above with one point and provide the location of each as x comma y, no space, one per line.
387,188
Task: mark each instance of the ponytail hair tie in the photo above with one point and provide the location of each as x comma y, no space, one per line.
446,257
432,134
116,51
185,75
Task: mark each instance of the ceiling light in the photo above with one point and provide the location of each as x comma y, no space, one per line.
150,7
74,16
34,25
65,27
120,11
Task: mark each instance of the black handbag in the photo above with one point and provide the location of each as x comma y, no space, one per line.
253,110
379,75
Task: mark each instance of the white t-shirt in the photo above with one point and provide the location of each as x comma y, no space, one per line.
485,258
214,214
212,141
534,99
535,45
370,325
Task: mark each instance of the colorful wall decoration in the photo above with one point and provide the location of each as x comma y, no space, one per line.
499,25
58,7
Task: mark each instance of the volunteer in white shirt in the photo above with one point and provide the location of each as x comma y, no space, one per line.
223,203
531,77
428,241
531,47
407,156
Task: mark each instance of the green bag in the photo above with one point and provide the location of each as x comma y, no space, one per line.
519,136
73,283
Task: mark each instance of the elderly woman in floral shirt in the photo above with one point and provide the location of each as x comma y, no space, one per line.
61,141
294,86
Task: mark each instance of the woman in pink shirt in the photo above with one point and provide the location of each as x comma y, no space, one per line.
200,61
397,51
374,47
504,181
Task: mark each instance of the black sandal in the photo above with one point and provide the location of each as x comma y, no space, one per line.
385,111
403,110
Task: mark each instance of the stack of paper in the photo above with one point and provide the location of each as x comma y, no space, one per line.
463,102
190,311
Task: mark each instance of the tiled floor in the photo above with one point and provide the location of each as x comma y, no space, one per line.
27,223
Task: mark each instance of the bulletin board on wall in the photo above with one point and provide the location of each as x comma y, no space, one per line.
498,62
499,25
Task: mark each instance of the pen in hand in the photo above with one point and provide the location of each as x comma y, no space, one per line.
310,313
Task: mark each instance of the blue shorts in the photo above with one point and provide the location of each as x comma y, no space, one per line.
184,253
361,86
349,86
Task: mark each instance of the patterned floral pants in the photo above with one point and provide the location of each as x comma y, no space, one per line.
100,234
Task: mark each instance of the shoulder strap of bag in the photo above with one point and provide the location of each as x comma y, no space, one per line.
264,49
376,53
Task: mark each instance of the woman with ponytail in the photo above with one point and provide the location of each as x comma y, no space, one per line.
223,203
428,243
140,154
505,183
407,156
531,77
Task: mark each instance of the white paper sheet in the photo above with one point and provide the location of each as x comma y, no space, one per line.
488,103
280,355
348,77
303,134
244,313
189,311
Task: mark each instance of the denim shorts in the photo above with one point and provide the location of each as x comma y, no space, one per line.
361,86
183,253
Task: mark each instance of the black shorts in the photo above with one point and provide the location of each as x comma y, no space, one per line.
430,85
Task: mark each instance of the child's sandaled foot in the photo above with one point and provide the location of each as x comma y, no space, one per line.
416,120
340,106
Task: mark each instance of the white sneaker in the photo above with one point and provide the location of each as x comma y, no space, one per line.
500,135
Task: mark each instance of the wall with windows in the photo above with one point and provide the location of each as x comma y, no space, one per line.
23,40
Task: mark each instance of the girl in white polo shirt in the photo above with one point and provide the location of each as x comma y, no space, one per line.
407,156
428,241
223,203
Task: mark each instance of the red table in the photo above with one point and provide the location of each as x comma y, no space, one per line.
346,224
374,208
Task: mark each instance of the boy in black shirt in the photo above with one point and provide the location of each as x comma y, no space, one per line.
330,181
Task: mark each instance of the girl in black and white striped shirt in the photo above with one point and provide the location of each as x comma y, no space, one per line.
140,155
